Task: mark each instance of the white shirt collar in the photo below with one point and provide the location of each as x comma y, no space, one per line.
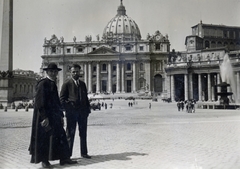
75,81
50,79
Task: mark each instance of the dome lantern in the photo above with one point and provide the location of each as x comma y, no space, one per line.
121,9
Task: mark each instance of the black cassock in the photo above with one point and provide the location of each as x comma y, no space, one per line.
48,145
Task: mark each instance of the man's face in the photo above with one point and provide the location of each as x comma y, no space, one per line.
75,72
52,73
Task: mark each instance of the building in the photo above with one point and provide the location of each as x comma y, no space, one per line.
120,62
194,73
23,83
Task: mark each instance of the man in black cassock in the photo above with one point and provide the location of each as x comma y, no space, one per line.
48,137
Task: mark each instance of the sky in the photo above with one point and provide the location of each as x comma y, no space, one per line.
33,20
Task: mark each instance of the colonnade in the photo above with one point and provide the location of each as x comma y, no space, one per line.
114,77
206,80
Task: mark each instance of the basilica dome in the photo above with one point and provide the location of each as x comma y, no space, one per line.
121,27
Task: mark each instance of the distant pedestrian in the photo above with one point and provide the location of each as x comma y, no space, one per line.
182,105
129,104
150,105
178,105
105,105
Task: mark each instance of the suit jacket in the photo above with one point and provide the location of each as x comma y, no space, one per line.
72,96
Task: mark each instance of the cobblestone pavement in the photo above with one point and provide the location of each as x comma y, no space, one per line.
137,138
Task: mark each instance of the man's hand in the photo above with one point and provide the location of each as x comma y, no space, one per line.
45,122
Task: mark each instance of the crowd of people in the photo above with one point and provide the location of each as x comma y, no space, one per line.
189,104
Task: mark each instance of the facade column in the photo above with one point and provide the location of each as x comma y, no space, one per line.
238,89
190,86
118,78
199,87
172,88
186,86
123,78
98,78
89,77
218,82
213,87
109,77
209,87
168,86
86,73
134,78
148,76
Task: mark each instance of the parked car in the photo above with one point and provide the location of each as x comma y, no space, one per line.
130,98
95,106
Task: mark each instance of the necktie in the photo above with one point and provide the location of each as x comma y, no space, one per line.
79,90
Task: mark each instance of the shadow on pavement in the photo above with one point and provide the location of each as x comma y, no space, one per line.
103,158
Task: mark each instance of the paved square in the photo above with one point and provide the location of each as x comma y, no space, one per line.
137,138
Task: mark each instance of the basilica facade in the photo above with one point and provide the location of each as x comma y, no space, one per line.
118,62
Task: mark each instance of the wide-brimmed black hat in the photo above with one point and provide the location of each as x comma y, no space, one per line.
52,66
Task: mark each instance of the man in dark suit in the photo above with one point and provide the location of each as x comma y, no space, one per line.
48,137
75,101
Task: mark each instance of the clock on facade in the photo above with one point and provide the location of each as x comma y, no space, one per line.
54,40
158,37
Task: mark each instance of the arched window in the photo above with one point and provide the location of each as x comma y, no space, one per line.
219,44
129,67
213,44
104,67
114,67
225,44
207,44
53,49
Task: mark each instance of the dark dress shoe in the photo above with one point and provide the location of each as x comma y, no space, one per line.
46,164
86,156
67,161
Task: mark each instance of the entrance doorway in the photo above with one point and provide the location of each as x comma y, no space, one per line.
158,83
104,85
129,86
